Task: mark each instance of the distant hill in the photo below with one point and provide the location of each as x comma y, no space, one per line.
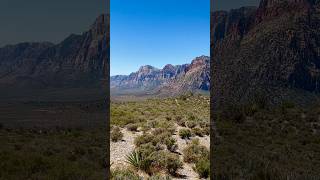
272,50
170,80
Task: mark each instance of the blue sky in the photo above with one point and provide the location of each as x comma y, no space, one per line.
157,32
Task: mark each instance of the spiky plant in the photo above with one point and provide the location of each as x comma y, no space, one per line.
134,159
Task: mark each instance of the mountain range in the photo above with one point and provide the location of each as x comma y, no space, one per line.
170,80
75,61
79,61
272,50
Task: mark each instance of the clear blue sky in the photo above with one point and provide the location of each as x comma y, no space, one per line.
157,32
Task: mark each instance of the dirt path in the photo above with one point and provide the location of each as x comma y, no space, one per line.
119,150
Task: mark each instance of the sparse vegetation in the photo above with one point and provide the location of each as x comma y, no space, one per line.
156,145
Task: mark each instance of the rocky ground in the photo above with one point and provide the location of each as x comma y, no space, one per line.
119,150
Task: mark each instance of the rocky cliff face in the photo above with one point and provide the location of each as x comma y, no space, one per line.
169,80
79,60
271,50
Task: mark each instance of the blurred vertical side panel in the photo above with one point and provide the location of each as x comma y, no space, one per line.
54,89
265,94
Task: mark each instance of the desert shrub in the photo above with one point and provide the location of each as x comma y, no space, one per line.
164,124
167,161
194,152
116,134
202,167
143,139
168,131
146,150
161,138
191,124
118,174
185,133
198,132
173,163
171,130
132,127
171,144
159,131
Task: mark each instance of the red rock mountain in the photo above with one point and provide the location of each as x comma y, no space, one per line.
169,80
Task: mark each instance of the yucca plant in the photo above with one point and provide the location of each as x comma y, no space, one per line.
134,159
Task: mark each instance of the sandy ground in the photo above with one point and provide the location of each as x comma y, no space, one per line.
119,150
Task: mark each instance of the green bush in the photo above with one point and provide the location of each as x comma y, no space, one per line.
146,150
116,134
171,144
166,161
132,127
202,167
194,152
185,133
143,139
